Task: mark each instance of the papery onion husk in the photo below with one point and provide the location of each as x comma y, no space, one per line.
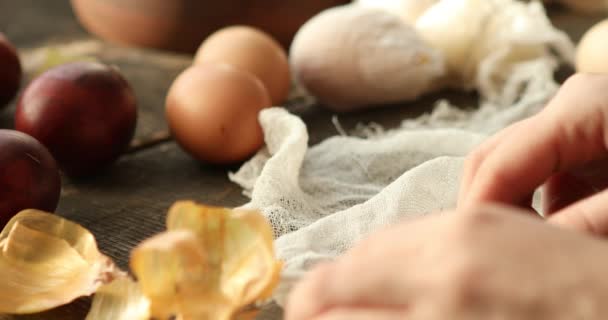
211,264
47,261
121,299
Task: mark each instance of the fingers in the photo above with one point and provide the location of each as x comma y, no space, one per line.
306,300
568,133
351,282
362,314
476,158
377,274
589,215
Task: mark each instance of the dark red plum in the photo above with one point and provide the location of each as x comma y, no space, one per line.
29,177
10,71
84,112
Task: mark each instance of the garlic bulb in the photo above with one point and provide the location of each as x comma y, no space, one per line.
456,28
483,40
350,57
409,10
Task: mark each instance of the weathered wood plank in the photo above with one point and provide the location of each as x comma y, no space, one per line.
128,202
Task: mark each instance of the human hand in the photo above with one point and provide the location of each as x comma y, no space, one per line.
483,262
563,147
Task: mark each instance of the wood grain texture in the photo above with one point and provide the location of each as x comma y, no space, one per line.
128,202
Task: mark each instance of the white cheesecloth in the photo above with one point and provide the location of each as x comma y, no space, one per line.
323,199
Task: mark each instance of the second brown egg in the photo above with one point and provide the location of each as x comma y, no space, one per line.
251,50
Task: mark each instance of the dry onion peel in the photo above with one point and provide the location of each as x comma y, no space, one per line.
121,299
212,263
47,261
247,244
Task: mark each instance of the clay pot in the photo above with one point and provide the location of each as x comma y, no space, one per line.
181,25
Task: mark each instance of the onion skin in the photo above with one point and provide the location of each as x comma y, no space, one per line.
85,113
29,177
11,72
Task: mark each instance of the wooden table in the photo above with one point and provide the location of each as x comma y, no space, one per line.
127,203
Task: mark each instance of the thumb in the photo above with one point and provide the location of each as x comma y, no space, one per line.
589,215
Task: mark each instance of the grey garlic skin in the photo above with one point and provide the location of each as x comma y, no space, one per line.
351,57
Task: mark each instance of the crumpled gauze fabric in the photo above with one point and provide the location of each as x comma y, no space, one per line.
323,199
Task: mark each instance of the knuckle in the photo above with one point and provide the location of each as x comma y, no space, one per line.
305,300
335,314
470,227
474,218
577,80
495,173
321,273
363,249
499,175
464,280
312,284
579,217
581,83
588,221
464,283
593,88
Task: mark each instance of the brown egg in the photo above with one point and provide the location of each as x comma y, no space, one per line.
251,50
212,111
183,24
